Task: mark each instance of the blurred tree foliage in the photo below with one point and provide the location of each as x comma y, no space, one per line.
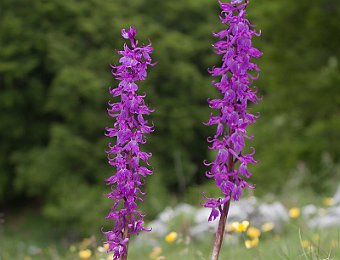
300,122
54,79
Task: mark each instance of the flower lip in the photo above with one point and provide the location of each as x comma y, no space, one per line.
130,34
233,2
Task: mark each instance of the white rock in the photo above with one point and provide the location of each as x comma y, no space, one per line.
184,208
242,209
324,222
166,215
202,215
336,197
309,210
237,212
274,212
159,228
325,219
334,211
200,231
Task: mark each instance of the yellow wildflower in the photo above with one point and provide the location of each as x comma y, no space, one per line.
239,227
306,243
252,243
229,228
294,212
266,227
171,237
106,247
156,251
234,226
109,256
85,254
328,202
253,232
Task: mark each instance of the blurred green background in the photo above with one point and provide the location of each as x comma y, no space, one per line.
54,80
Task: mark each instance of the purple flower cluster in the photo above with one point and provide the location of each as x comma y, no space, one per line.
230,168
125,156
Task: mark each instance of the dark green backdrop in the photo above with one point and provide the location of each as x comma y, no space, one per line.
54,80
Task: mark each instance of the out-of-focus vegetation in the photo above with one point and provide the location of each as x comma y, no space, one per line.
243,240
54,79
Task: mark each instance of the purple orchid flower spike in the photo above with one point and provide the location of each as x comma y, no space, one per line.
125,155
230,167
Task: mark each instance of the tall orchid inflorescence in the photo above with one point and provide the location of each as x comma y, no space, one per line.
230,167
125,155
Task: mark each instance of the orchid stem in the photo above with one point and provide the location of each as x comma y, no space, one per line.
223,217
220,231
126,235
